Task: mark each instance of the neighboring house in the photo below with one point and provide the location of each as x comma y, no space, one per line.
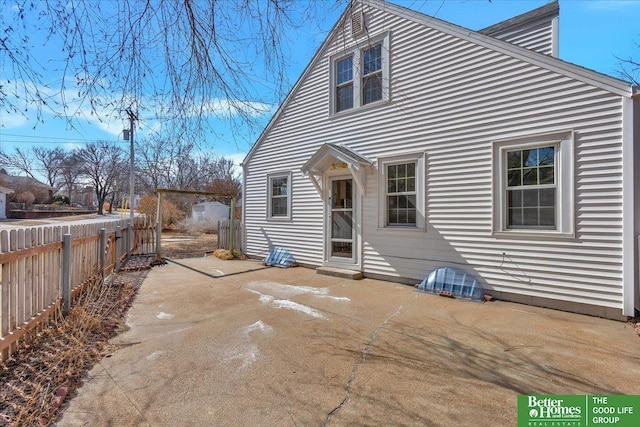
19,184
83,195
210,212
3,201
409,144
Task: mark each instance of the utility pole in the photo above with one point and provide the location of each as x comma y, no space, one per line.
132,118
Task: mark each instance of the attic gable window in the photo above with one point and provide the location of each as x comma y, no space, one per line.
344,84
360,75
372,74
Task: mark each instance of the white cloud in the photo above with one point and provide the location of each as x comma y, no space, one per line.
12,120
107,117
70,146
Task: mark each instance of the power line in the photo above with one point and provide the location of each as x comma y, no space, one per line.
59,141
50,139
35,136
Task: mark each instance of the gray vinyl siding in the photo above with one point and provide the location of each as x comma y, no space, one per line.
536,36
450,98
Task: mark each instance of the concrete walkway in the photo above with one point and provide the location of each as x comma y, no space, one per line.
231,343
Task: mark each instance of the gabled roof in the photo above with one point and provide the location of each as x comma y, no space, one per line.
591,77
603,81
334,156
11,181
329,154
548,10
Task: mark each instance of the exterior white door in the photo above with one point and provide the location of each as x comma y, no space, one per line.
341,222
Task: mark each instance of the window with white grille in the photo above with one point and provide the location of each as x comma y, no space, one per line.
360,75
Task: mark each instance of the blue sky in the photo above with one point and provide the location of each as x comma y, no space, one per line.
592,34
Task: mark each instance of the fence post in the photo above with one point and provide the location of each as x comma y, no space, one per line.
118,248
219,234
128,239
66,272
159,227
102,249
232,223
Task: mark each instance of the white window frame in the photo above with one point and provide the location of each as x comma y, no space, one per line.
356,51
270,178
420,190
346,83
364,77
565,184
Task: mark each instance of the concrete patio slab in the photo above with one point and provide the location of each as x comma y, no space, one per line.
222,343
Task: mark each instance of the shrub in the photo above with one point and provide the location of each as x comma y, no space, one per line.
171,215
26,197
59,199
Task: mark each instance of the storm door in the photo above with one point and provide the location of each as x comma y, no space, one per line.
341,227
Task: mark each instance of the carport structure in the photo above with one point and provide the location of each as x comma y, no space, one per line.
162,191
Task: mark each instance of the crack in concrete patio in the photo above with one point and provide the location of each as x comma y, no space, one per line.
363,359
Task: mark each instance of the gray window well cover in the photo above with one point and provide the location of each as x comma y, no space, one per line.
453,282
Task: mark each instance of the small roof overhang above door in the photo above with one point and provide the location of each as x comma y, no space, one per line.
333,156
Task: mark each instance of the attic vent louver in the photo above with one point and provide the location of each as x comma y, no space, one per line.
357,23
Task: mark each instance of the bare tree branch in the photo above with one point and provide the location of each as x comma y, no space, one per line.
183,61
49,162
630,69
101,163
18,162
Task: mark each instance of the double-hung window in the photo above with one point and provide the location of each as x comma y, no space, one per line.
360,75
344,83
372,74
534,185
531,188
401,183
401,194
279,196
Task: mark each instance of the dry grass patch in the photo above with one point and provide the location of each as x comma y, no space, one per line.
49,366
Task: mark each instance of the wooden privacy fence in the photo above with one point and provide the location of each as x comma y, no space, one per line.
43,268
224,235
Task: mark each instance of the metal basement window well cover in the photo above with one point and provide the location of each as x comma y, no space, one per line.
279,257
452,282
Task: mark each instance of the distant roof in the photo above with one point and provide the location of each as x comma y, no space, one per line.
14,181
6,190
550,9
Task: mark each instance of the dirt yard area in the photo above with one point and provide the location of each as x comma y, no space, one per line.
178,245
